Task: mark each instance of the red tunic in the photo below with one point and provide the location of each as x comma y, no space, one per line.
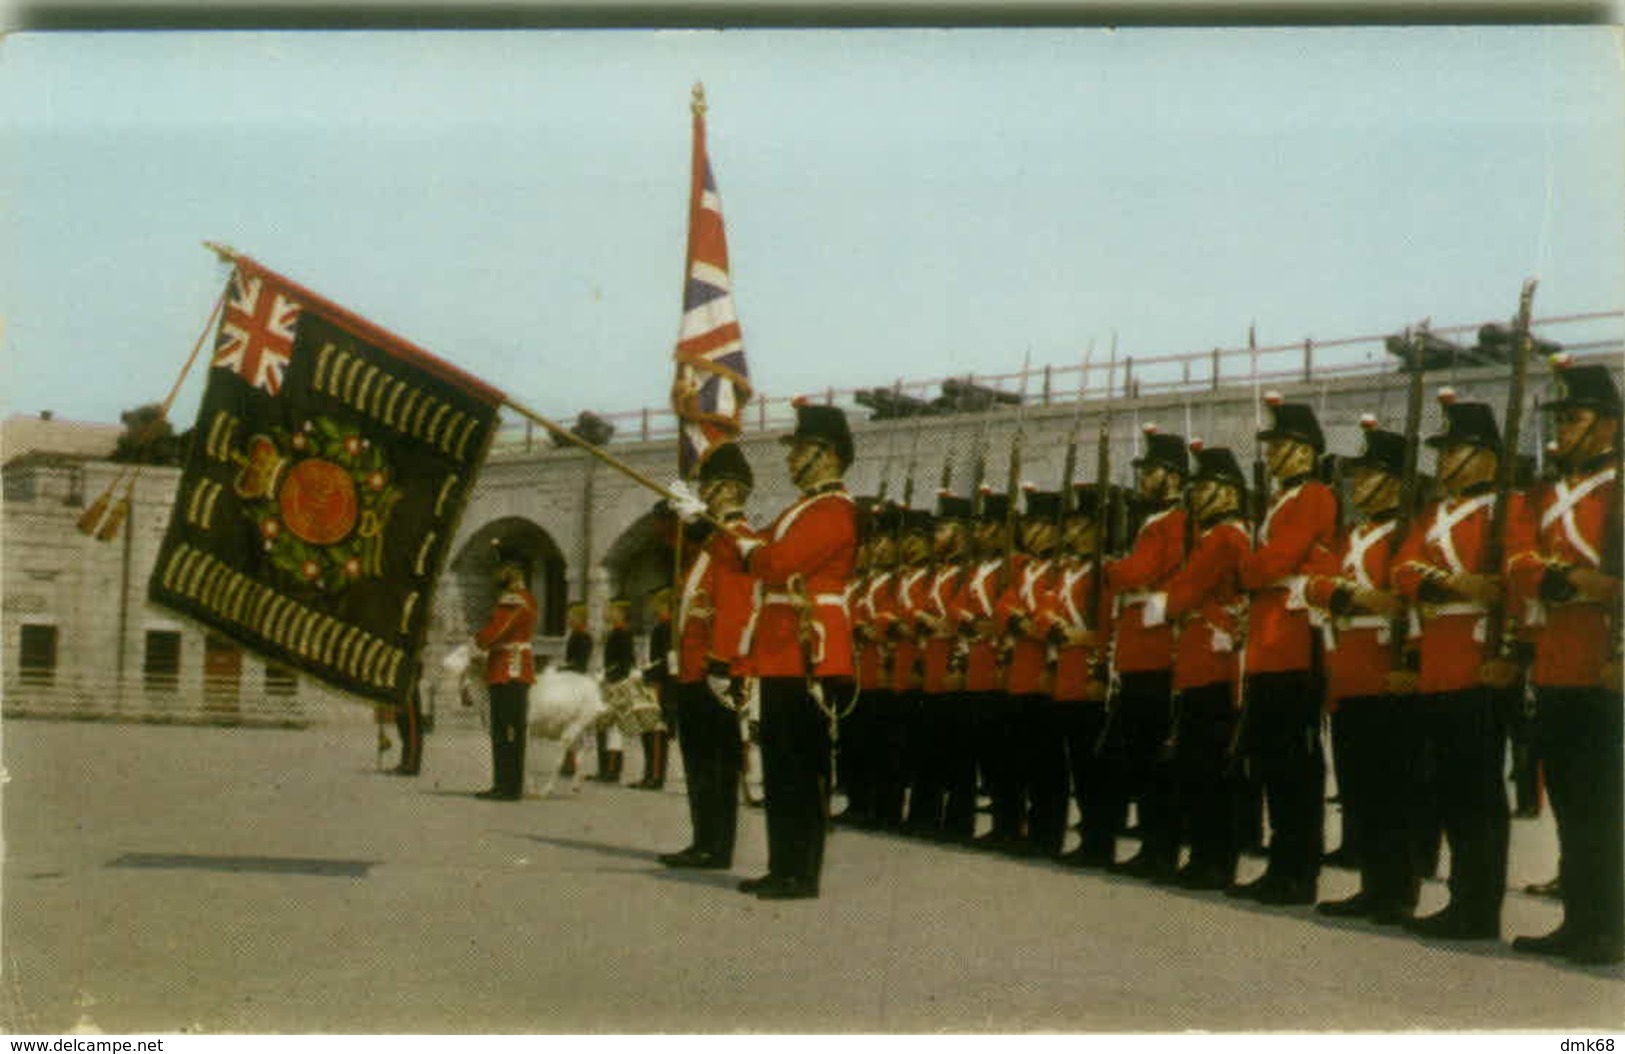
1159,549
1574,639
1358,653
939,645
1075,664
1450,537
1204,601
1301,519
974,603
872,595
506,638
814,542
1029,597
912,583
714,610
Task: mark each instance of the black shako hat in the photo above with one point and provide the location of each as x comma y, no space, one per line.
950,507
916,521
883,516
823,424
1218,463
995,508
1164,449
508,555
1042,505
1384,450
726,462
1293,421
1589,387
1085,501
1470,424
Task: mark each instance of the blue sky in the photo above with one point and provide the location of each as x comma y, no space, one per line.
898,203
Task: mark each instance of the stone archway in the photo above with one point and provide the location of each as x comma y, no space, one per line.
471,571
640,562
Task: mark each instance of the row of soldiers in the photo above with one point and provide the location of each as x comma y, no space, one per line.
996,648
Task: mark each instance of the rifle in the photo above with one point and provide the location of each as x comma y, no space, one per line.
1495,637
979,465
1014,486
1070,466
1260,477
891,450
1413,362
1103,494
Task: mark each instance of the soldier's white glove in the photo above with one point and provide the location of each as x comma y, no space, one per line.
684,502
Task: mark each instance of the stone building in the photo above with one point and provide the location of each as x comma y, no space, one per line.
81,638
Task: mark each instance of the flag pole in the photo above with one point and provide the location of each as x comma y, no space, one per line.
600,453
102,518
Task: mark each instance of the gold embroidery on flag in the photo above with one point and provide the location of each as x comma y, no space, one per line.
369,376
323,358
406,609
398,386
445,492
395,658
412,397
423,552
432,434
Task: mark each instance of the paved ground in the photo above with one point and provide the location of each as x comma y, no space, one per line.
219,880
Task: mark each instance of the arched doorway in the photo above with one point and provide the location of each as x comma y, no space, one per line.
640,562
475,563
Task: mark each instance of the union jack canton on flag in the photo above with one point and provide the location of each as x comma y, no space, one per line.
712,384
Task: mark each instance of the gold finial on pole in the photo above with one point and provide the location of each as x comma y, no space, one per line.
226,253
698,101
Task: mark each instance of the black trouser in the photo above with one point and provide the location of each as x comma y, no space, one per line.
1081,723
1008,773
1349,806
855,766
988,718
713,756
409,723
1205,721
795,774
1464,733
1044,728
510,714
959,775
1581,747
1134,747
929,741
888,757
1283,744
1379,776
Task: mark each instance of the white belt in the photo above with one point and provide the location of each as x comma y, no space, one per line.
1464,607
834,600
520,646
1138,596
1363,622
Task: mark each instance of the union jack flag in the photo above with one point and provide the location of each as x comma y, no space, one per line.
713,383
257,331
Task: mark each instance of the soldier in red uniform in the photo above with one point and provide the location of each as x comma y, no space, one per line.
1081,671
899,626
714,608
1034,792
939,806
869,595
802,647
509,672
1377,776
1441,569
1204,600
975,612
1570,575
1141,715
1283,694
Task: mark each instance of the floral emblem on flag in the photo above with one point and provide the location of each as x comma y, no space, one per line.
257,331
320,498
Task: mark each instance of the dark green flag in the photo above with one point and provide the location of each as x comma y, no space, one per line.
329,465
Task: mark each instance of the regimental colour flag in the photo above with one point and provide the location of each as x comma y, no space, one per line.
330,463
712,384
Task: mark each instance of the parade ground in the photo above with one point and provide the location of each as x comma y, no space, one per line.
234,880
